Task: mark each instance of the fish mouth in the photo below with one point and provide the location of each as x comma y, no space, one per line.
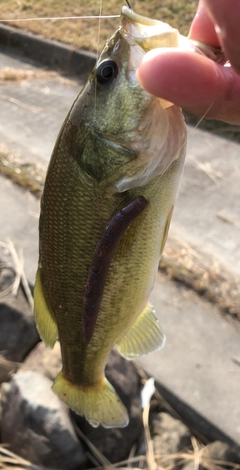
136,18
147,32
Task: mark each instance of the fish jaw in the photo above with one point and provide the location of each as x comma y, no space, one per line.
150,34
147,32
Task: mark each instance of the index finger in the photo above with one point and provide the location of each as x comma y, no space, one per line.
203,28
223,16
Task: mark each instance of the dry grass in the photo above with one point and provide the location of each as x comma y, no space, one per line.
83,33
17,267
204,276
9,460
28,176
11,75
8,74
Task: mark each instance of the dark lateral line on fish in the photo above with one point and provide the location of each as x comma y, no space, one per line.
102,258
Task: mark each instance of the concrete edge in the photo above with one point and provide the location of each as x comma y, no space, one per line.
49,53
203,429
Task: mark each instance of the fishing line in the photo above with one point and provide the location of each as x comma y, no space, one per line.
98,41
54,18
128,4
204,115
99,26
98,17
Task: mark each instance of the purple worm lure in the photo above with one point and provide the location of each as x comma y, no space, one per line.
102,257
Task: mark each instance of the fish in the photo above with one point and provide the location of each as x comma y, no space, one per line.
107,203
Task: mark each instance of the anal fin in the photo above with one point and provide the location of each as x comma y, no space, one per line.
145,336
46,324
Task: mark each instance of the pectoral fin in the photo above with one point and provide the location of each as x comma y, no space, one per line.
145,336
46,324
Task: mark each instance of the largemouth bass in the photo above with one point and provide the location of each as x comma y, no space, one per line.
106,208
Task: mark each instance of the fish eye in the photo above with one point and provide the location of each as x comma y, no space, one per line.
106,71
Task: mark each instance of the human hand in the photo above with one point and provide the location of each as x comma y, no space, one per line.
191,80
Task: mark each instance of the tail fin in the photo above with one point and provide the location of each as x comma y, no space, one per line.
99,404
